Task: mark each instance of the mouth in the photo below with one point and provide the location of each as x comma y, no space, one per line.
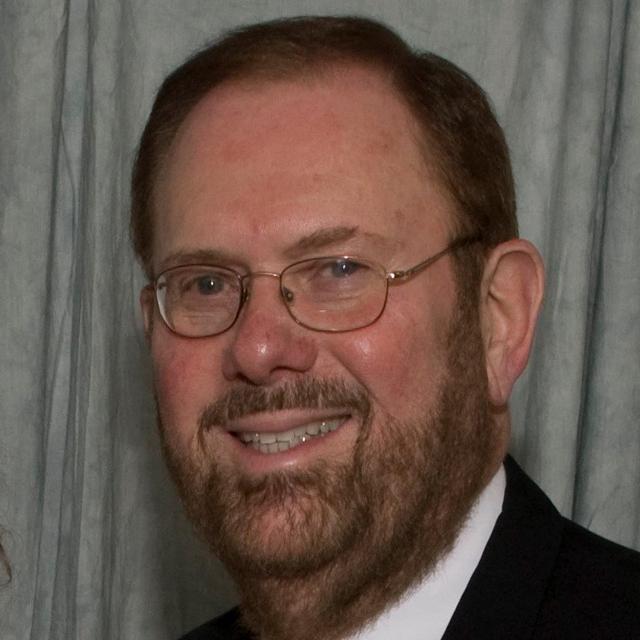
280,441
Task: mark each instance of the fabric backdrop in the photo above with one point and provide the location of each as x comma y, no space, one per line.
96,536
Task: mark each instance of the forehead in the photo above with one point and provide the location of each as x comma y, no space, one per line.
276,161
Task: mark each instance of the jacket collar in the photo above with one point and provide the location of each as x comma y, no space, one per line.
506,590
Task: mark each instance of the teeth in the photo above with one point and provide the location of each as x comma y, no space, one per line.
277,442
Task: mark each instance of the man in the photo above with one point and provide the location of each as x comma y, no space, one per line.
338,308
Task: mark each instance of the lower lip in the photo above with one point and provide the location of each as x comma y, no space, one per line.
331,444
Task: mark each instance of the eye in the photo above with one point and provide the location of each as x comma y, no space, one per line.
209,284
329,277
344,268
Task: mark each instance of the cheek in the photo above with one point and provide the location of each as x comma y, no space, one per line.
185,382
398,360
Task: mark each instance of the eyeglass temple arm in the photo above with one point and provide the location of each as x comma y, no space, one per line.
456,244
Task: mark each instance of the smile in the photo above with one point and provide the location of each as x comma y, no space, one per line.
277,442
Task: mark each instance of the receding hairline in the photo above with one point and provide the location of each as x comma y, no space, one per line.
317,72
456,124
320,72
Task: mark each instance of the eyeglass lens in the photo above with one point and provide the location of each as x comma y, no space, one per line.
328,294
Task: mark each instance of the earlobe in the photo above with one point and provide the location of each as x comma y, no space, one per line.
147,305
512,290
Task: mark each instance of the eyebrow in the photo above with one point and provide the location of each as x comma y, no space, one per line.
319,239
194,256
323,238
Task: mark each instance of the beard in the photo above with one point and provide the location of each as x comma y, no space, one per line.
364,530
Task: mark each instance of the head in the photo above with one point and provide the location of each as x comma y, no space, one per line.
329,136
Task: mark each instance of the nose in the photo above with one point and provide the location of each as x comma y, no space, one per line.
266,344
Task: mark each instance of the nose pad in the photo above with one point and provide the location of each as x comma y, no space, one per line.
266,343
287,295
246,284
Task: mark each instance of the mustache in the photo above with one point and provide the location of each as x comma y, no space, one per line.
305,393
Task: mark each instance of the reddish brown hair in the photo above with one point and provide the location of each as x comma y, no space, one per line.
462,138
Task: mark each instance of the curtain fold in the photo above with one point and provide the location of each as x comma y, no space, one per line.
97,540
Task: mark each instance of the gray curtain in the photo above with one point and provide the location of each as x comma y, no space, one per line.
98,543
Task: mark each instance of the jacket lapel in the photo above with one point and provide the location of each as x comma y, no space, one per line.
505,592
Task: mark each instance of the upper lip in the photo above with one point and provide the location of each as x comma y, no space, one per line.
278,421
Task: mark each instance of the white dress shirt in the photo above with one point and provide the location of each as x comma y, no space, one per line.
425,611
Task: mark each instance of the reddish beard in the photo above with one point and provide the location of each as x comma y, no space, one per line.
363,530
286,523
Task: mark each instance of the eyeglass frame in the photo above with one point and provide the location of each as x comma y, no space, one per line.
397,276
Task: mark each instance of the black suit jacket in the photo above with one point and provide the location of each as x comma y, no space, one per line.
541,577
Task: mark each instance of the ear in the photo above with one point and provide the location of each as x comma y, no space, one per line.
511,294
148,305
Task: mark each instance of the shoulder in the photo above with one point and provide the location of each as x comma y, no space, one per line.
227,627
589,586
594,589
596,557
542,576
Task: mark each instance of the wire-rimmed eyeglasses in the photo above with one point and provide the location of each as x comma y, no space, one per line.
333,294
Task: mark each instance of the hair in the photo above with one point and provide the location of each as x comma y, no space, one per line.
461,137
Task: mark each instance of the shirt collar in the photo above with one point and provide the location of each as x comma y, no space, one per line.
425,611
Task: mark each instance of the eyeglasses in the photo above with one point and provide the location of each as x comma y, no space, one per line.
333,294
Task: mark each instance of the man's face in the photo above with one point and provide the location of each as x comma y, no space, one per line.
262,175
